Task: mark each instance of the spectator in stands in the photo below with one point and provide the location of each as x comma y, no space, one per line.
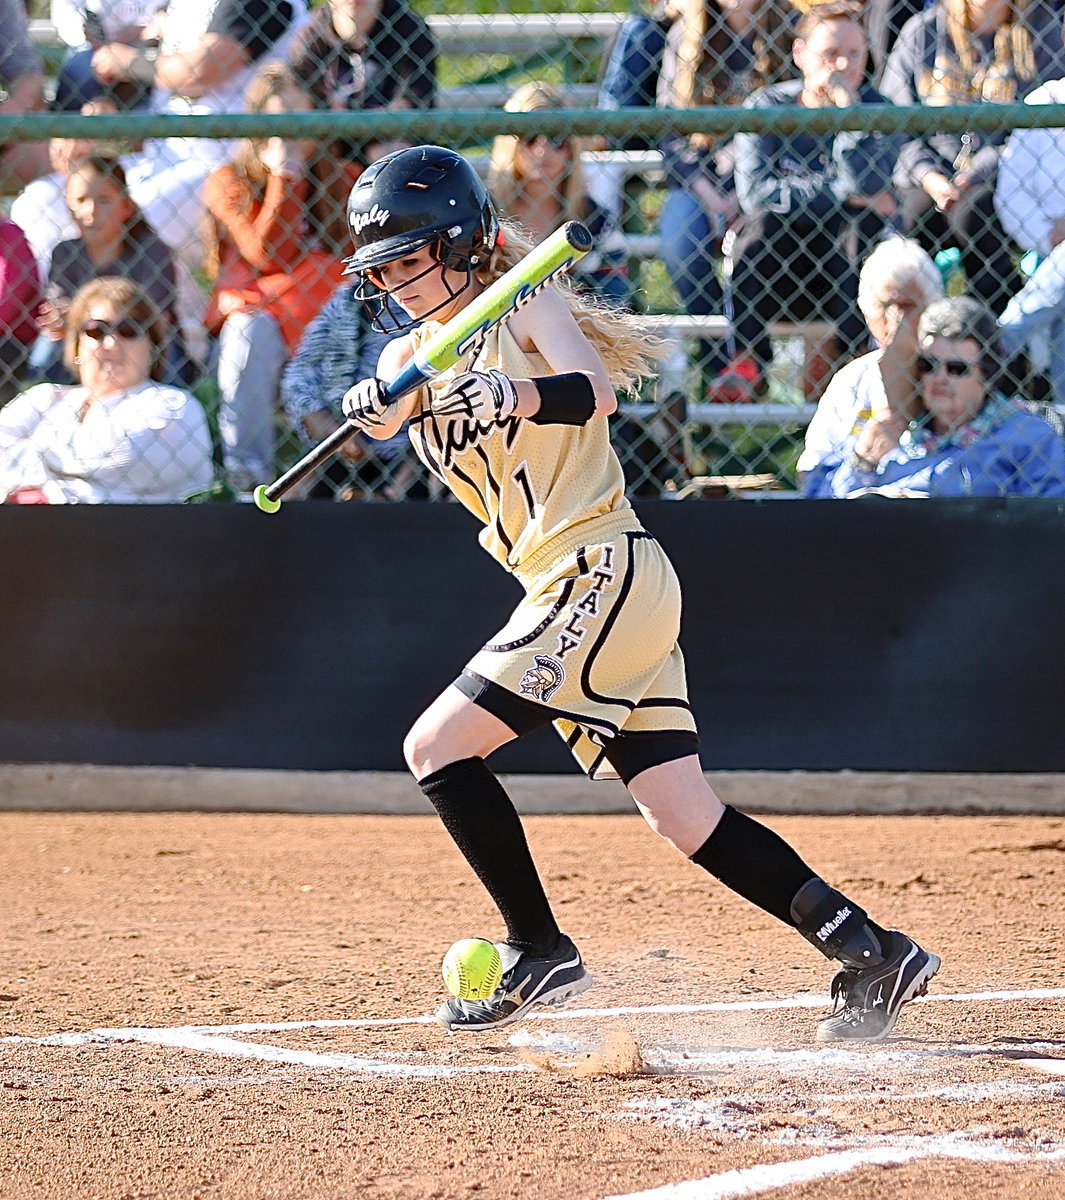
340,347
22,79
85,26
1030,199
968,52
875,397
539,182
883,21
360,54
40,210
20,294
801,196
631,66
968,440
633,61
118,436
1033,323
113,239
270,278
708,61
206,57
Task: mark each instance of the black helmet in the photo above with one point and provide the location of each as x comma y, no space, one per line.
415,197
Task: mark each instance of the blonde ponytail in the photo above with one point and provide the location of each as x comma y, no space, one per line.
628,348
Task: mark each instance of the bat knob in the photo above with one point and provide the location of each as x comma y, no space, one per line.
263,501
579,236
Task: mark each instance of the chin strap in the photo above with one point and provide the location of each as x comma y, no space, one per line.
835,925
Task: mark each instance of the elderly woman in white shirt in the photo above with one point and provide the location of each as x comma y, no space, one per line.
875,396
119,436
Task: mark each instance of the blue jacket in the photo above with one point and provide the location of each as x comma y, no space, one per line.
1019,456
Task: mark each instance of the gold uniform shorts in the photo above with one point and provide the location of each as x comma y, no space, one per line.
593,648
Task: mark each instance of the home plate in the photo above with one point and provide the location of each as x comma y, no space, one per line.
1052,1066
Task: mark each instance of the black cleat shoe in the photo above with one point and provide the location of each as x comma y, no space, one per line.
526,981
868,999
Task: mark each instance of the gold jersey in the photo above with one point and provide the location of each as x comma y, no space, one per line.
539,490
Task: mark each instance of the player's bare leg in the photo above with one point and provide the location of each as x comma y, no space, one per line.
446,750
678,803
452,728
882,969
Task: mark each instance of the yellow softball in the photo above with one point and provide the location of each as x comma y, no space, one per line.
472,969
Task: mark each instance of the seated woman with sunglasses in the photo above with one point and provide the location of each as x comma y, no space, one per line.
114,239
118,436
968,439
539,182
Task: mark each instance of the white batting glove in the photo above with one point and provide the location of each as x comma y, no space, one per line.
481,396
364,404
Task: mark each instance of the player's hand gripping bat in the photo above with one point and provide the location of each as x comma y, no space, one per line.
460,335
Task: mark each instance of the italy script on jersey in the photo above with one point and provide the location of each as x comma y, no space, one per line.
530,485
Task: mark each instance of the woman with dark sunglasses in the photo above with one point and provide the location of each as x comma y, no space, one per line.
119,436
114,239
539,181
968,438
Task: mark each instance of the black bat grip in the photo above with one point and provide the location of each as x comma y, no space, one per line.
268,496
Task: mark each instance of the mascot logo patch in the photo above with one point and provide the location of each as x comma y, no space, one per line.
542,681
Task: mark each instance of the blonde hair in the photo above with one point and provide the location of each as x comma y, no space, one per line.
694,16
703,75
504,182
1014,58
627,347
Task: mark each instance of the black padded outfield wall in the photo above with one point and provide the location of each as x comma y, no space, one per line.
873,635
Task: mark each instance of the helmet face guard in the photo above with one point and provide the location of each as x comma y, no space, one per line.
388,315
410,199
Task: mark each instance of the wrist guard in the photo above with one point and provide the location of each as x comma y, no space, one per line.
564,399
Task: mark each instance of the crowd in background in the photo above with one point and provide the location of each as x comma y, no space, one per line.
220,262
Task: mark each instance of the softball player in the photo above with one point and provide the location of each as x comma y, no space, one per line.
518,432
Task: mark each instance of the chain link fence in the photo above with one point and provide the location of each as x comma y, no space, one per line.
843,223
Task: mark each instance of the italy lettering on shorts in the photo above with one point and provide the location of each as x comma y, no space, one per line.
594,640
587,609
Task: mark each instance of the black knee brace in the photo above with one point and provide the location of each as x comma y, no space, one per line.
835,925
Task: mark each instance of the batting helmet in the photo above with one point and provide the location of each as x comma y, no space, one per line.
419,197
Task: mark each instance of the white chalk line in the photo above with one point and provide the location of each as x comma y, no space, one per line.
802,1000
213,1039
188,1038
745,1182
750,1181
1052,1066
839,1059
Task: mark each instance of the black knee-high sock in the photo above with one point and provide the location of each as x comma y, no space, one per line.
484,824
754,862
761,867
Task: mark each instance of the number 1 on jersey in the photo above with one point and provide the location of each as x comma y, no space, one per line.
520,475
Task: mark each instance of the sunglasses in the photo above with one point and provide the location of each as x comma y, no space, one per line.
956,367
127,330
559,143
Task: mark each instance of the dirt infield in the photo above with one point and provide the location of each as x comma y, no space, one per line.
207,1005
